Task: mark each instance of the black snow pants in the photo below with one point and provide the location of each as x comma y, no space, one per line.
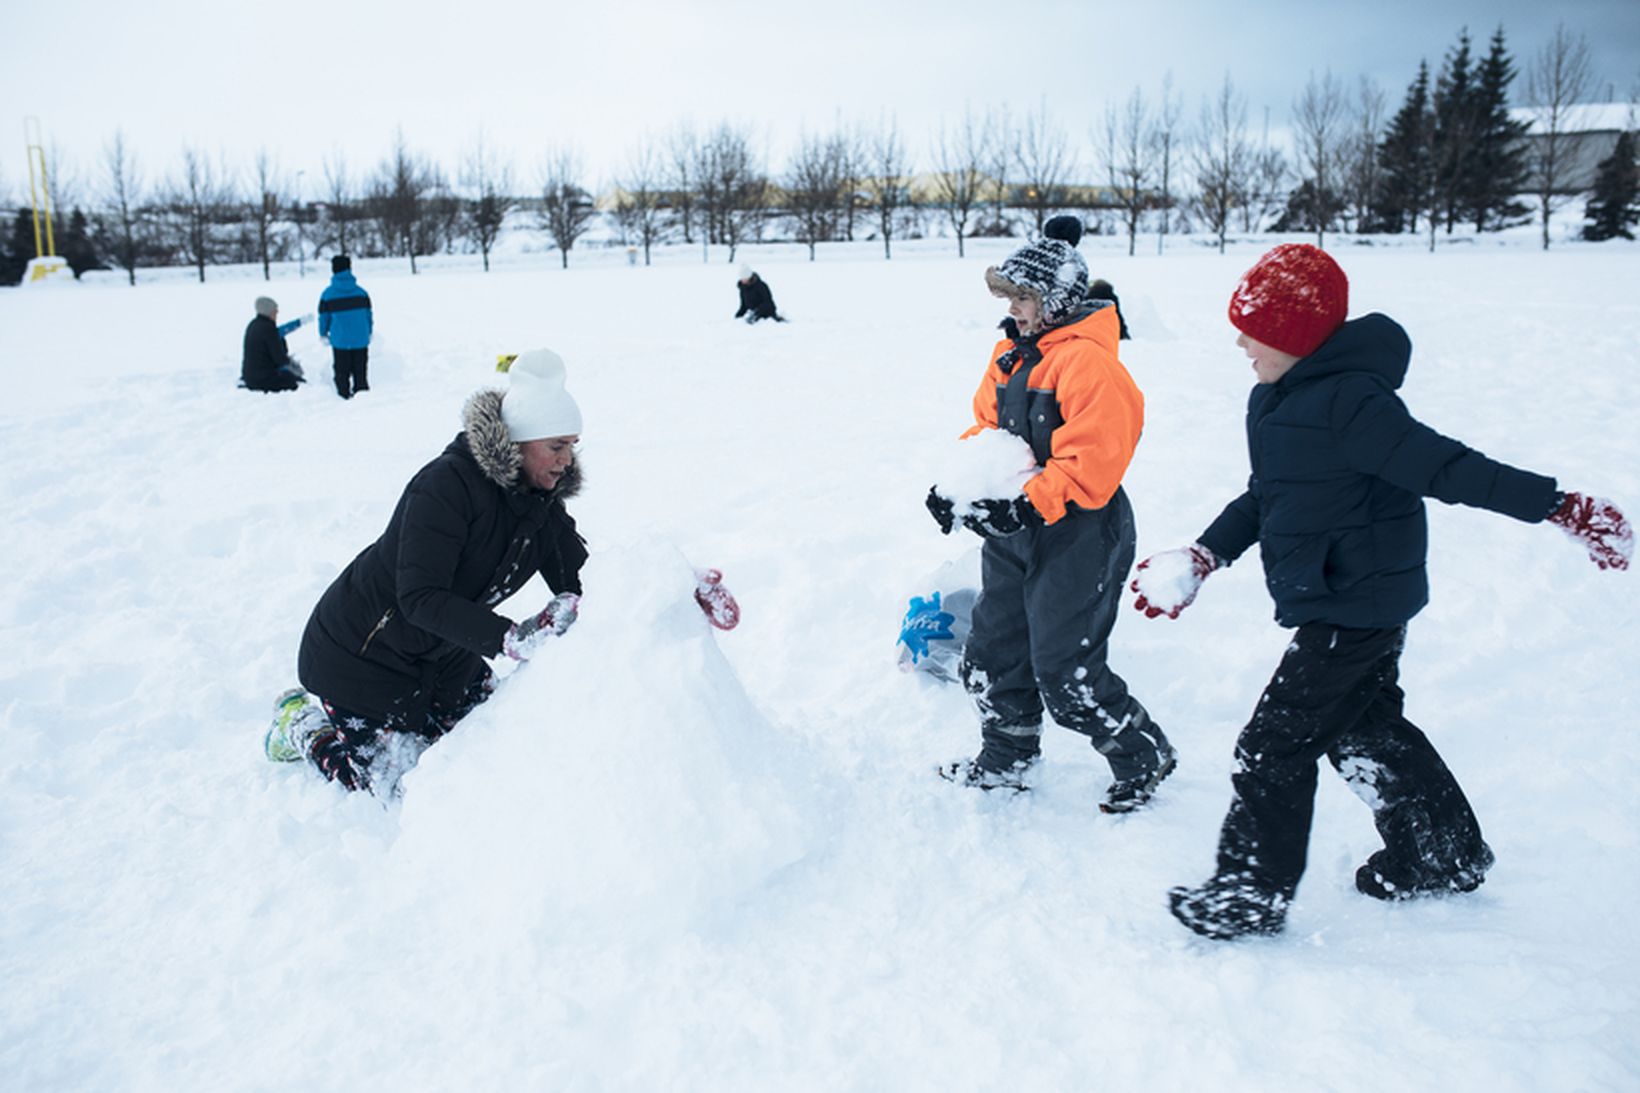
352,368
1041,631
1335,694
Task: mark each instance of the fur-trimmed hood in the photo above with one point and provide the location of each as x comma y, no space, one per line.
496,454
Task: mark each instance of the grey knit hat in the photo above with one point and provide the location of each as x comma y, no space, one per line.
1049,269
265,305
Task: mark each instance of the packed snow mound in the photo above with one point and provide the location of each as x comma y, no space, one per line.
993,463
622,776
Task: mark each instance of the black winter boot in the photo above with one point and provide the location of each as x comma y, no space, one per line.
1385,878
1226,908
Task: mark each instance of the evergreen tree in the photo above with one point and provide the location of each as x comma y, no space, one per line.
16,248
1310,211
1404,158
1497,169
1455,131
1614,204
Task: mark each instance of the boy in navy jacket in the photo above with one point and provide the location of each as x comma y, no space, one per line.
1335,502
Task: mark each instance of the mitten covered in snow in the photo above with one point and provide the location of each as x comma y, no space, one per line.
721,608
552,620
941,509
1599,525
995,518
1167,583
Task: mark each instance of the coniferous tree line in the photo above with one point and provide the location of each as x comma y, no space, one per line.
1450,156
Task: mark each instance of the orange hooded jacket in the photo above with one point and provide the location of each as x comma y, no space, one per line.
1077,407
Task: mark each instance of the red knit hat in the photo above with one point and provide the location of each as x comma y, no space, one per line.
1292,299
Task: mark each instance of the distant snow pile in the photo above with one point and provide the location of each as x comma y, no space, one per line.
622,777
994,463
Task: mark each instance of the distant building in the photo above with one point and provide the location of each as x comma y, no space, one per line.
1588,133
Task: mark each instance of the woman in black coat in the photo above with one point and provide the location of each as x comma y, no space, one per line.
397,643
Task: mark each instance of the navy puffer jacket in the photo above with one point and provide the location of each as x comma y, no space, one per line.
1339,473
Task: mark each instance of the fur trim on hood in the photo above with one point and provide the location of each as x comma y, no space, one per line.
497,456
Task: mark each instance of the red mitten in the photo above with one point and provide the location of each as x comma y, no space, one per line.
1167,583
719,604
1600,526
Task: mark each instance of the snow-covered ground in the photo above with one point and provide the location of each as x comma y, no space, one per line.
667,858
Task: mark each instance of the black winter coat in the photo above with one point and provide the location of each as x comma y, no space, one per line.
756,298
1340,470
406,625
266,360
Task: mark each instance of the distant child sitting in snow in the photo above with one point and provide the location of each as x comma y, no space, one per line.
1058,545
1335,501
756,301
266,363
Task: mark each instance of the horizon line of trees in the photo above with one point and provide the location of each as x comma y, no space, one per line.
1452,154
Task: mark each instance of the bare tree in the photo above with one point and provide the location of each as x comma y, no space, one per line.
1359,168
1127,150
814,189
1002,144
1557,80
340,197
638,207
398,196
887,184
1318,120
959,171
264,207
123,201
1267,182
683,153
567,208
1046,159
198,196
733,190
853,168
1223,158
1164,140
488,179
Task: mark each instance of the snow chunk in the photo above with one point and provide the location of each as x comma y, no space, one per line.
993,463
621,776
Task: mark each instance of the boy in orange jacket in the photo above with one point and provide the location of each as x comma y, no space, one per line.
1055,557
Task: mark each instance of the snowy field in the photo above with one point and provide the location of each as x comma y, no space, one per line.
667,858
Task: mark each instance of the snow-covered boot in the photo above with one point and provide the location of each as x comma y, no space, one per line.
297,719
1226,908
1127,794
1383,877
969,772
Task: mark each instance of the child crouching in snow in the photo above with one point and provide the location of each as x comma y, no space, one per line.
1335,502
1055,555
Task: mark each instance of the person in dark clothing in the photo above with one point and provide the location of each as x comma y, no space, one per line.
266,364
395,649
756,301
1335,502
1102,290
1054,556
345,322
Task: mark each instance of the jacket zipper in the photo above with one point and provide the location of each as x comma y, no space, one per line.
370,637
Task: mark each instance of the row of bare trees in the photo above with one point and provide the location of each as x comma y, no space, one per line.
986,172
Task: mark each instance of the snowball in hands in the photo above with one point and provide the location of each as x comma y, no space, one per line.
992,464
1167,583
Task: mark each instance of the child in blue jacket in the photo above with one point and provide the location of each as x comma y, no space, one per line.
344,321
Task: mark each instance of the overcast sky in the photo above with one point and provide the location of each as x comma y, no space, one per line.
309,79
